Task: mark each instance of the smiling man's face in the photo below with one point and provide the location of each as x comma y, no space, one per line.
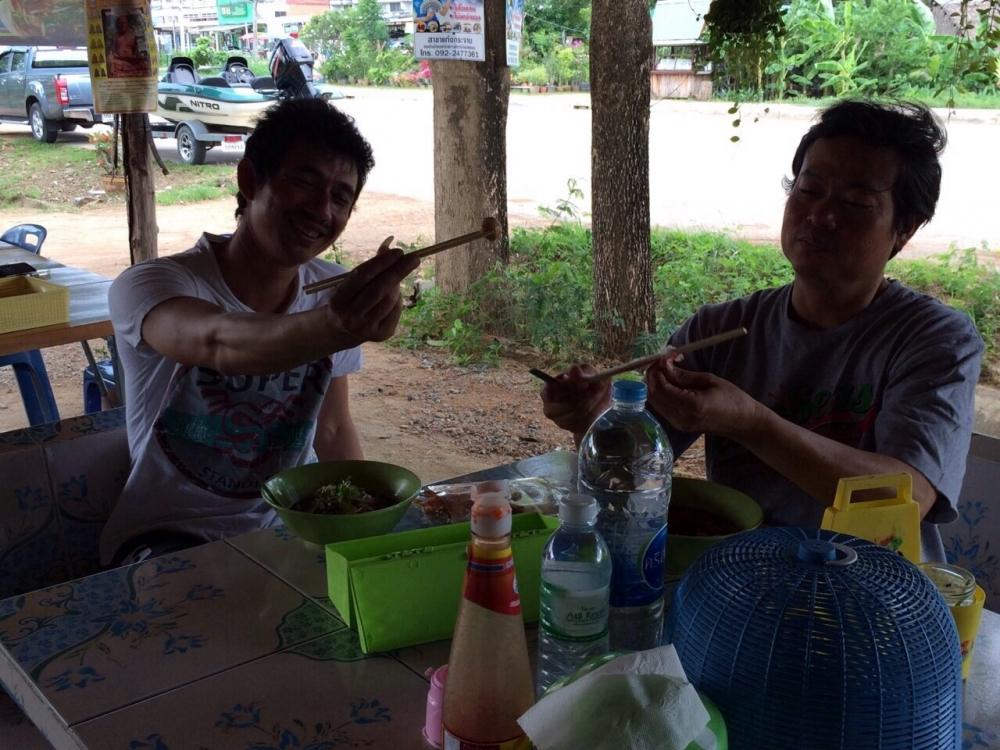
304,206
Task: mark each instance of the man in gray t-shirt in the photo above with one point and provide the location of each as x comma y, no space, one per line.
232,371
844,372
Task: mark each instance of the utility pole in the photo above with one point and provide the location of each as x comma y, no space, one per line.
470,155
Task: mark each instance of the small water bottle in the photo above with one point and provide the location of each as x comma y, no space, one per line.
625,463
576,579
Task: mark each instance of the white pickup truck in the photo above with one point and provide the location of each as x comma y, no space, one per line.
47,87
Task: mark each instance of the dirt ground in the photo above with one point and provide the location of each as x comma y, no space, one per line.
412,408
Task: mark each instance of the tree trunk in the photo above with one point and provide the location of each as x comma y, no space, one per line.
470,156
139,188
620,61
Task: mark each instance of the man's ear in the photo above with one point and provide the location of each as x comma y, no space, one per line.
246,179
903,235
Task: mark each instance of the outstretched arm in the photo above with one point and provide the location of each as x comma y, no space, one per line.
366,307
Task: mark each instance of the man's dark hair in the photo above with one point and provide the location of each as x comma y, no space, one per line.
911,130
293,120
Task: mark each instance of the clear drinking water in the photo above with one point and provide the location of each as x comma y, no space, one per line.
625,463
576,575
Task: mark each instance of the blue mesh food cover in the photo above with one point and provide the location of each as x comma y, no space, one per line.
811,639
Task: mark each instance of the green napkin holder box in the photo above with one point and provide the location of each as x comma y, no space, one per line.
403,589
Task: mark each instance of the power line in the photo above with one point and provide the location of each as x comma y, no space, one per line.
538,19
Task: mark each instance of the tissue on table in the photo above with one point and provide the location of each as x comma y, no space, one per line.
639,701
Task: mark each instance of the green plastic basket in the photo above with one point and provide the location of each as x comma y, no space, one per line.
403,589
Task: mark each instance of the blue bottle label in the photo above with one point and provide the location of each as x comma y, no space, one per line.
653,558
637,574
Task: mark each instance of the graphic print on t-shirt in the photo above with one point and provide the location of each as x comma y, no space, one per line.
229,433
844,414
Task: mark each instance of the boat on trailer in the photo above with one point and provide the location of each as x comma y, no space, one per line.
223,109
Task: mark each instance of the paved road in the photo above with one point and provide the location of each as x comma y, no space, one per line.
698,177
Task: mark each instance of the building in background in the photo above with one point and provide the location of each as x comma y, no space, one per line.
229,23
397,14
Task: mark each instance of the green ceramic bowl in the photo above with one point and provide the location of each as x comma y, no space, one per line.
286,489
699,494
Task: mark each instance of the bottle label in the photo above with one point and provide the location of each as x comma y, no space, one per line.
451,742
637,571
491,583
575,615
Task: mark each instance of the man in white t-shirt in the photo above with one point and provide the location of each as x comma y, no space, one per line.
232,372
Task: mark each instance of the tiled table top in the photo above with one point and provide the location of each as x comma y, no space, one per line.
235,645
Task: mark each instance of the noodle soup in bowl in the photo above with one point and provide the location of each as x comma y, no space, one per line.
333,501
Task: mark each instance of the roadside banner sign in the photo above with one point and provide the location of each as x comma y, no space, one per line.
448,30
515,21
122,54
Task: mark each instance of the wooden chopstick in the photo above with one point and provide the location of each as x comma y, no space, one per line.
490,230
642,362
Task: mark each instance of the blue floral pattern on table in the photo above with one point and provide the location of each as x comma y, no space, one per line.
249,720
78,677
341,645
974,737
967,544
134,611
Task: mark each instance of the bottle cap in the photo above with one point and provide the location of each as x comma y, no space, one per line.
629,391
491,513
577,508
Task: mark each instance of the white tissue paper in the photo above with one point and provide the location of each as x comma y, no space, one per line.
640,701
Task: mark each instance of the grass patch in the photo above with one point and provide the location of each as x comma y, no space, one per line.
44,172
543,299
194,183
56,173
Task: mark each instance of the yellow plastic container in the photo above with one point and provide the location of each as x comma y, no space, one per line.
892,522
29,302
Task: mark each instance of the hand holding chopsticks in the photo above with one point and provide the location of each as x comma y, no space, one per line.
489,230
643,362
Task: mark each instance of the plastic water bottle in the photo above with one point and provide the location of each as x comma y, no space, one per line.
625,463
576,579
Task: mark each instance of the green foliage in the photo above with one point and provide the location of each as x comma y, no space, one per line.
881,48
449,320
323,31
355,44
744,39
203,182
553,18
697,268
203,55
566,209
547,289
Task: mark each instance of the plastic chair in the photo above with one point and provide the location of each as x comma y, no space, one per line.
92,396
27,236
33,382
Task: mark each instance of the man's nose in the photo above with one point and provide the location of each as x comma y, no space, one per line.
823,213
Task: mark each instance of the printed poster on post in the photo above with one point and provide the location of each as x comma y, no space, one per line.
122,53
448,30
515,22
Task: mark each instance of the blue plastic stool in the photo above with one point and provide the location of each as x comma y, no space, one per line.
92,390
33,382
31,237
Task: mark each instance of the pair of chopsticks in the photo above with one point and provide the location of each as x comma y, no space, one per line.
643,362
490,230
